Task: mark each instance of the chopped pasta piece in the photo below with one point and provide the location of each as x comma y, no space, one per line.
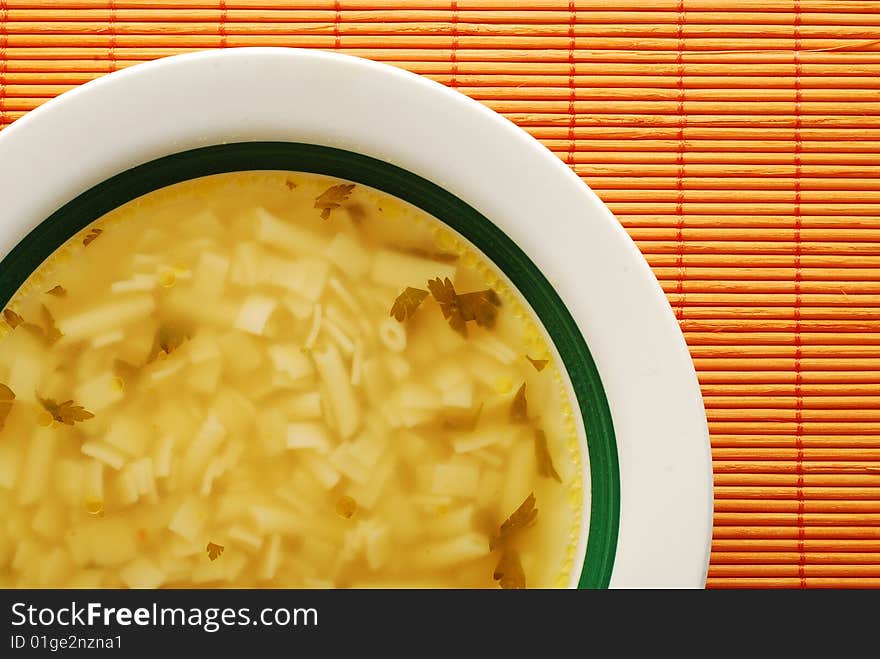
342,400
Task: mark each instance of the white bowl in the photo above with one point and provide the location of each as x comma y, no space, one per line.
659,532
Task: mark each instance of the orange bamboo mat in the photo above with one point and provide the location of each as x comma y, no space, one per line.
737,141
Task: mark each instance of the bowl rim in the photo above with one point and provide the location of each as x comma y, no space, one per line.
474,153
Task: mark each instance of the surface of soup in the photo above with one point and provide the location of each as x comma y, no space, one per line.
279,379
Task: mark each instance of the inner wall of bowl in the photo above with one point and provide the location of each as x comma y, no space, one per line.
600,518
569,397
580,553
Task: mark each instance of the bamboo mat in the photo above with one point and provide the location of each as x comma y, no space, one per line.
737,141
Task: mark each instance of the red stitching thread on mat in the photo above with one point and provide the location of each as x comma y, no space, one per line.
572,19
453,56
3,40
799,401
222,27
337,20
679,204
111,25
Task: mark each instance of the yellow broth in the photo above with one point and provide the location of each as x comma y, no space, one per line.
207,388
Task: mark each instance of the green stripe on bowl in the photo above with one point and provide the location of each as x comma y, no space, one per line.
40,243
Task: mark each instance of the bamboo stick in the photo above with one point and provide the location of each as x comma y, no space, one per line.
807,454
49,77
783,583
757,208
687,285
869,495
808,506
729,74
787,412
681,283
696,87
803,315
530,121
542,85
726,157
741,445
804,443
808,408
634,105
787,300
805,390
735,312
812,49
787,260
788,467
806,352
807,570
735,480
26,95
860,110
623,99
748,338
806,261
767,73
752,221
697,146
716,165
645,121
737,361
508,14
773,545
804,440
800,519
721,134
754,275
866,440
807,73
757,6
819,88
618,98
755,329
730,247
760,440
759,446
17,107
685,170
793,428
755,376
427,51
760,235
323,22
38,67
811,532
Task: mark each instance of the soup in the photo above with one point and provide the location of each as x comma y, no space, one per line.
279,379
